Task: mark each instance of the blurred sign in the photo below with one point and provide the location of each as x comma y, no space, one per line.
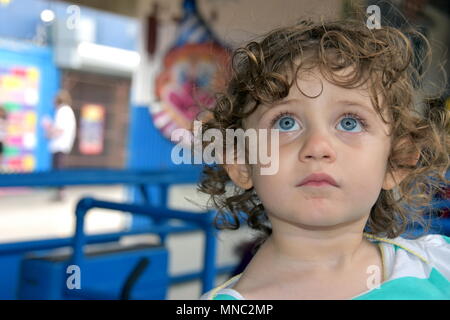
19,96
92,129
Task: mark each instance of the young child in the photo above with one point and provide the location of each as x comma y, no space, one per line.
361,155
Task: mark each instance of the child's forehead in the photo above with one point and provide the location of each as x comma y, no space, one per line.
310,84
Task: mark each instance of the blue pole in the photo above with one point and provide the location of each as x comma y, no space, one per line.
79,237
164,202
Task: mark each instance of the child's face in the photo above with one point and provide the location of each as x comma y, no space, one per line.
321,135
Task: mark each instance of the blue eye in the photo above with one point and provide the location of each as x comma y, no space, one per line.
286,123
350,122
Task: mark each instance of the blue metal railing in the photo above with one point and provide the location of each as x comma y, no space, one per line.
203,221
99,177
141,179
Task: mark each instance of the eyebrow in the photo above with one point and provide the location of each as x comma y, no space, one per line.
358,104
342,102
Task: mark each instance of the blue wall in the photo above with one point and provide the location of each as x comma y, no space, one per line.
148,149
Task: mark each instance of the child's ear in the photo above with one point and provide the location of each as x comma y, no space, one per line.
240,174
397,176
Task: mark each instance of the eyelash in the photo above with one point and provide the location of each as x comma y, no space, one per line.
345,115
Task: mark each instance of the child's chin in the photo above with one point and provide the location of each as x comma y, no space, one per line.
322,221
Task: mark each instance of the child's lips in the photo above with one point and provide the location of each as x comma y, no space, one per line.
317,184
318,180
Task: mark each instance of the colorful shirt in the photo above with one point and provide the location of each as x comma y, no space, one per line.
416,269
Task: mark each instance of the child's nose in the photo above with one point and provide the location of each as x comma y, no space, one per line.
317,145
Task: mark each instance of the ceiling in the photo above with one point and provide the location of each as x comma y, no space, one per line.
130,7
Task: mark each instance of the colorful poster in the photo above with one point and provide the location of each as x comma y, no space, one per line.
92,126
19,97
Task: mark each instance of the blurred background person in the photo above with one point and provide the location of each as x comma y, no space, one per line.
3,121
61,133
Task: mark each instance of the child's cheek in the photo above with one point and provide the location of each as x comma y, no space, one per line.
346,137
290,135
354,140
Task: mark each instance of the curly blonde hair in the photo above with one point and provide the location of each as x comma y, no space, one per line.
385,60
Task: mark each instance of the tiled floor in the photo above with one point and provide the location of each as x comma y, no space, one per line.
29,214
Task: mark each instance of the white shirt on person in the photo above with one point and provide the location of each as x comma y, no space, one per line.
3,130
65,122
